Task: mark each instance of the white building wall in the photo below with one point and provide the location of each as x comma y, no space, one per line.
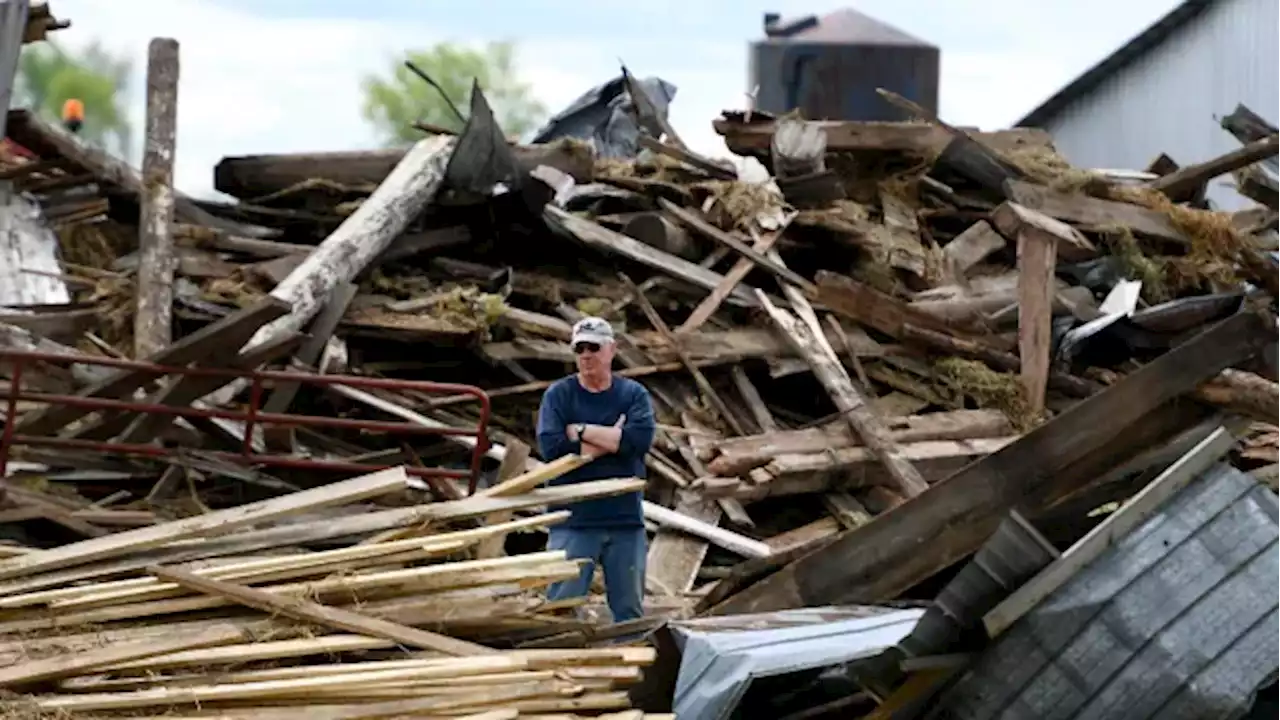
1171,99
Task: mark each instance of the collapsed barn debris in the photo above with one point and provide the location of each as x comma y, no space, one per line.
315,403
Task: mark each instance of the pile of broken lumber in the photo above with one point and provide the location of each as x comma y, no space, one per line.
899,301
115,625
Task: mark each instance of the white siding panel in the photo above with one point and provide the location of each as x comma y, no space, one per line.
1170,100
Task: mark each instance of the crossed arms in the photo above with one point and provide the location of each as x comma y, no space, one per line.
630,435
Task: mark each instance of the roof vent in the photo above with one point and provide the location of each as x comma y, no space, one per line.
774,26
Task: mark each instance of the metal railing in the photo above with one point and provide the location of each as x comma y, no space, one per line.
130,375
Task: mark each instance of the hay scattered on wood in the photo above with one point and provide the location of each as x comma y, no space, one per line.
235,289
990,389
1152,272
1047,167
731,204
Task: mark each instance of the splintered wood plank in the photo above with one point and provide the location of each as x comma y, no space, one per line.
1095,214
84,663
708,230
1012,219
886,557
699,379
846,510
820,529
603,238
1185,181
971,247
340,493
738,455
362,236
741,268
847,399
209,344
307,611
878,311
674,557
511,466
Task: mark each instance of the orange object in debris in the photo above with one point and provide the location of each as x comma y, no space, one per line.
73,111
73,115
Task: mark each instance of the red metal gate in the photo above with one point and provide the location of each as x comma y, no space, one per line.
252,417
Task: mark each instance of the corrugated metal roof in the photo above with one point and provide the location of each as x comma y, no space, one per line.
720,657
1180,619
1128,53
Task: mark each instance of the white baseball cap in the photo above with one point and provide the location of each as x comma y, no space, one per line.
592,330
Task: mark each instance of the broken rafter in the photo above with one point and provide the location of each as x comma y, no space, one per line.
856,412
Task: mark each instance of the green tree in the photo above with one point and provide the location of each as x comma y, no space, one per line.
49,75
392,103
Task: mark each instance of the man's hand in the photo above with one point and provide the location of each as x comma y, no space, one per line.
597,440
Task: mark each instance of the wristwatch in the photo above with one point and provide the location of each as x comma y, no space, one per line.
579,429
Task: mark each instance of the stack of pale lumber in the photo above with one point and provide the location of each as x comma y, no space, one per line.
242,613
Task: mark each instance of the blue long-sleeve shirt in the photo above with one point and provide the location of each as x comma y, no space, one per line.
566,403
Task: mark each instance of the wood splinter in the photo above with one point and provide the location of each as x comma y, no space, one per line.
846,398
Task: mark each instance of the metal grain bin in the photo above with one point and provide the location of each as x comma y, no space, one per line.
829,67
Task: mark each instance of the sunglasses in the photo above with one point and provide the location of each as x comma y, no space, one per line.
586,347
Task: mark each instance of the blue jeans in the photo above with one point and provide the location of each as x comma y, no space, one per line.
621,553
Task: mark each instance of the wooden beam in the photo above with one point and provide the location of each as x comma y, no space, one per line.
346,491
152,321
971,247
847,399
66,665
736,274
923,139
362,237
1179,183
248,176
1095,214
311,612
1012,219
1037,258
728,240
885,557
701,380
602,238
736,456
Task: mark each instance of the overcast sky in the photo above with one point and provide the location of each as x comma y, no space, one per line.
270,76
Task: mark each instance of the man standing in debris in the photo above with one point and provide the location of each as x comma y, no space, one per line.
609,418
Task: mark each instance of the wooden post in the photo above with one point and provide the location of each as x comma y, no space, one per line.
152,323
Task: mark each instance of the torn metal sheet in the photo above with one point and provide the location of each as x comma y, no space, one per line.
1120,303
722,656
482,163
30,273
604,116
1179,619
